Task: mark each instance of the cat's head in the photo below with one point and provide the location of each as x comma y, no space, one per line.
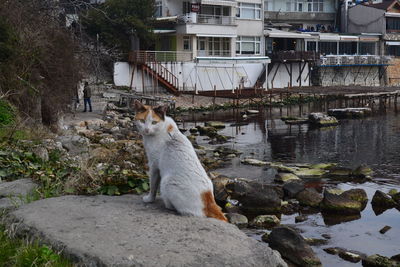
149,120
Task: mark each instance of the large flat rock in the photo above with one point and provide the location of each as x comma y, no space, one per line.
123,231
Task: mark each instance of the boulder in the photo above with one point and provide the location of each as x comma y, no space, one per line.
220,193
345,203
207,131
292,188
75,145
322,120
309,197
15,193
284,177
255,198
265,221
41,152
382,200
292,246
124,231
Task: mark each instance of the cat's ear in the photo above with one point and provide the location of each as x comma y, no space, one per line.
161,111
139,107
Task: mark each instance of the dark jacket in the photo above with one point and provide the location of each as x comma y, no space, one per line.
87,92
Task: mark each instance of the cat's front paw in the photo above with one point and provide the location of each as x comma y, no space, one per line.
148,198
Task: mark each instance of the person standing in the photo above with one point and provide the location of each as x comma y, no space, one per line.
87,94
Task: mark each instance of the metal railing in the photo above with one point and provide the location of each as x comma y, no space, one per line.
353,60
207,19
159,56
164,73
283,56
214,19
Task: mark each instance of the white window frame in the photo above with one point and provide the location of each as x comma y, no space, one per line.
305,5
255,40
187,41
268,5
158,9
255,9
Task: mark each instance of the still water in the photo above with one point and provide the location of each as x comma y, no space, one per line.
373,141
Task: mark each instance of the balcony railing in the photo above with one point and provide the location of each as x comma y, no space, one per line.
159,56
207,19
294,56
347,60
213,53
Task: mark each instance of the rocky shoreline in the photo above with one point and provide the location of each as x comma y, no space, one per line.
114,162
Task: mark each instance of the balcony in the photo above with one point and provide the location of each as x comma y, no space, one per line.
300,17
213,53
207,19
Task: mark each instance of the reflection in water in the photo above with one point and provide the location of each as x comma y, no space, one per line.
374,141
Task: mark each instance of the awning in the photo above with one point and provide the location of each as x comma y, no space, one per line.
389,14
351,38
369,38
219,3
217,35
274,33
329,37
170,18
392,43
164,31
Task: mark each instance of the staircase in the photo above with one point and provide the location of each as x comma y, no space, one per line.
148,62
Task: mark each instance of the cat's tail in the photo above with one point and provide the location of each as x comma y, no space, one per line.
211,209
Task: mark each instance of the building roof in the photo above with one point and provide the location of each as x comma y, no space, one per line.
275,33
385,5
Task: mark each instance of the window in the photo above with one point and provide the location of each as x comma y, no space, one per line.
393,50
249,11
312,46
186,7
328,48
305,5
158,11
367,48
246,45
187,43
348,48
268,5
393,24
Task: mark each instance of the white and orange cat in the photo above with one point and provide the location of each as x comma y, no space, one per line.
174,166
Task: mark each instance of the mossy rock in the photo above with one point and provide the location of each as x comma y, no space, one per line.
323,166
338,172
377,260
363,172
215,124
310,173
265,221
284,177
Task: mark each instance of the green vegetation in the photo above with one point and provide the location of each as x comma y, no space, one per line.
20,253
115,21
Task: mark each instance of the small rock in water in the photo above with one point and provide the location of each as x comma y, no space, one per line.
265,221
252,111
215,124
392,192
300,218
349,256
326,236
363,172
385,229
254,162
237,219
316,241
283,177
322,120
332,251
382,200
344,203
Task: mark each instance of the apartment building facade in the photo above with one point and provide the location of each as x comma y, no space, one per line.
216,28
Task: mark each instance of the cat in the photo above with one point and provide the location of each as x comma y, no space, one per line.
174,166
